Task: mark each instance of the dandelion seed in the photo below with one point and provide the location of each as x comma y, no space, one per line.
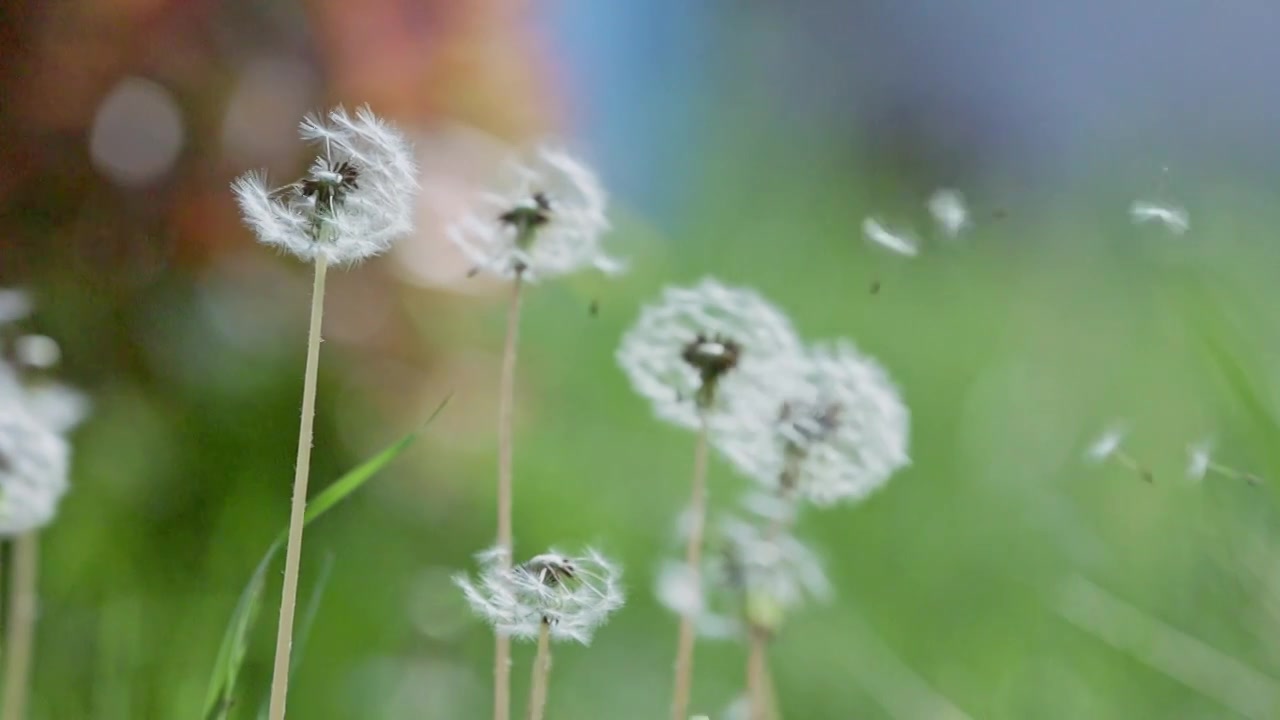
902,243
547,220
355,201
1109,446
703,348
1106,444
949,211
573,596
1174,218
837,431
34,463
1199,457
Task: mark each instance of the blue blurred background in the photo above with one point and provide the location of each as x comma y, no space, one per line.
1000,576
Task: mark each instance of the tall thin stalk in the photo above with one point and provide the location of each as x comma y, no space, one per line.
541,674
693,559
757,673
297,512
506,430
21,630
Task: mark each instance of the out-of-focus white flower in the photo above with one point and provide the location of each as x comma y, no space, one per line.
55,405
901,242
14,305
355,201
838,432
546,219
1106,445
37,351
756,573
678,589
949,211
705,349
1174,218
1199,456
571,595
33,471
771,562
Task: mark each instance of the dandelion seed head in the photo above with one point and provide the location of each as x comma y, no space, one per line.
900,242
34,463
1199,456
1175,219
837,432
356,200
546,219
573,596
949,211
703,349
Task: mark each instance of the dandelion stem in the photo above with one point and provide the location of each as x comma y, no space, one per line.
758,680
693,559
21,625
297,512
506,429
541,673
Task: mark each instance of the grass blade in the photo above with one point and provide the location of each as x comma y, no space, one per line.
235,641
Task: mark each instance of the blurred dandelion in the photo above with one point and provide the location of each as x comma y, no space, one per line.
34,461
836,432
14,305
546,220
1175,219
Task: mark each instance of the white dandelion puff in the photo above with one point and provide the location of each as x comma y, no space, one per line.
546,219
949,211
1172,217
356,200
572,596
901,242
14,305
837,432
701,349
54,404
34,463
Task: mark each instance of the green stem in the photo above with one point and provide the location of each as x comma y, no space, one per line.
21,625
298,508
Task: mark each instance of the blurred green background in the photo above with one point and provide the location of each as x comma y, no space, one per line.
1000,576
